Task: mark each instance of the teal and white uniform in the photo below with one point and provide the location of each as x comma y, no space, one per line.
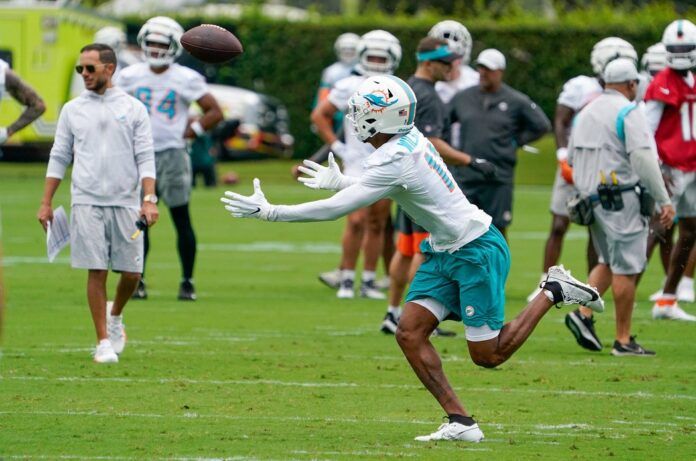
467,260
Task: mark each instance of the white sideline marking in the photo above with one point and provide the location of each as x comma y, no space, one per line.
542,430
309,384
287,247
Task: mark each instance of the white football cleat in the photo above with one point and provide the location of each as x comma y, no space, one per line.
116,331
670,311
685,290
331,279
454,431
370,291
345,289
573,291
105,352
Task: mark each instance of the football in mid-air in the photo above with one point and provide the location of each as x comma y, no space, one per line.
211,43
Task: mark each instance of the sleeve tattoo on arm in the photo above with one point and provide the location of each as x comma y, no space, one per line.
25,95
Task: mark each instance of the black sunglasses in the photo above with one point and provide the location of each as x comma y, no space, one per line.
90,68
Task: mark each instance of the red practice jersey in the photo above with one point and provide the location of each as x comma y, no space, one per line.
676,133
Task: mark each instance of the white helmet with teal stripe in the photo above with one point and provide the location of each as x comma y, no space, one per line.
679,39
382,104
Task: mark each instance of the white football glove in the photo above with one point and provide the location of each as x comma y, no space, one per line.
254,206
321,177
339,148
3,134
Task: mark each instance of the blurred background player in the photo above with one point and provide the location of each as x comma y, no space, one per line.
435,63
379,52
576,94
463,76
671,109
24,94
495,119
167,90
612,150
652,62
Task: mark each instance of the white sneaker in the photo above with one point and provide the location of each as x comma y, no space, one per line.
672,311
345,290
454,431
534,293
685,290
331,279
383,284
370,291
573,290
116,331
105,352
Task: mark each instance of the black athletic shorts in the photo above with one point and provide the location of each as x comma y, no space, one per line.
494,199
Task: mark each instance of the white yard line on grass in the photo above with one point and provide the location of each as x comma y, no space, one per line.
315,384
584,430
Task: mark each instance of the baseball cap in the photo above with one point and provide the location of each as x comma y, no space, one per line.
438,52
491,59
620,70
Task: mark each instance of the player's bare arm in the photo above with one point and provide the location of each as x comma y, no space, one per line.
45,213
322,117
212,115
25,95
561,124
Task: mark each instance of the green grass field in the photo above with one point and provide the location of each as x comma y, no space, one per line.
268,364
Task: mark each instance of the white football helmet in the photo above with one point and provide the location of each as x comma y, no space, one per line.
346,47
112,36
456,34
378,44
382,104
680,42
609,49
654,59
165,31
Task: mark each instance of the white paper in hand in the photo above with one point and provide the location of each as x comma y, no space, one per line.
57,233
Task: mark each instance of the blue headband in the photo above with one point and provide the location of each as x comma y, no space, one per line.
440,52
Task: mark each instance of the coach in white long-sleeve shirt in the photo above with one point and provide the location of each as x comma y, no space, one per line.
106,134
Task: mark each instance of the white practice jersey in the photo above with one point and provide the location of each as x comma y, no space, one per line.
3,72
167,97
468,77
335,72
579,91
410,171
356,150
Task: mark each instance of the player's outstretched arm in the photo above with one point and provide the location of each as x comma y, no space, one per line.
349,199
321,177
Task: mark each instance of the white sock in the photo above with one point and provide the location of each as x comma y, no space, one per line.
117,319
368,276
686,281
347,274
548,294
105,342
543,276
394,310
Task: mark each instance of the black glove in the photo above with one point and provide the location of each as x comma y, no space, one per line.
486,168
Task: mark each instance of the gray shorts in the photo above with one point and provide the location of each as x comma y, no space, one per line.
173,176
683,190
621,237
561,193
100,238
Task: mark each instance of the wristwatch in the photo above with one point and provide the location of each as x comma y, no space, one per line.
152,198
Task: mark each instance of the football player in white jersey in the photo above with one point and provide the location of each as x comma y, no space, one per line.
576,94
24,94
346,48
379,52
463,76
167,89
467,259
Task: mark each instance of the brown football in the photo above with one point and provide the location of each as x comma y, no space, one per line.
211,43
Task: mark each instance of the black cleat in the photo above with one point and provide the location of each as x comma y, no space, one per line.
140,291
186,291
632,348
583,330
389,324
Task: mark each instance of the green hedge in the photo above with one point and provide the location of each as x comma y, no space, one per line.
285,59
